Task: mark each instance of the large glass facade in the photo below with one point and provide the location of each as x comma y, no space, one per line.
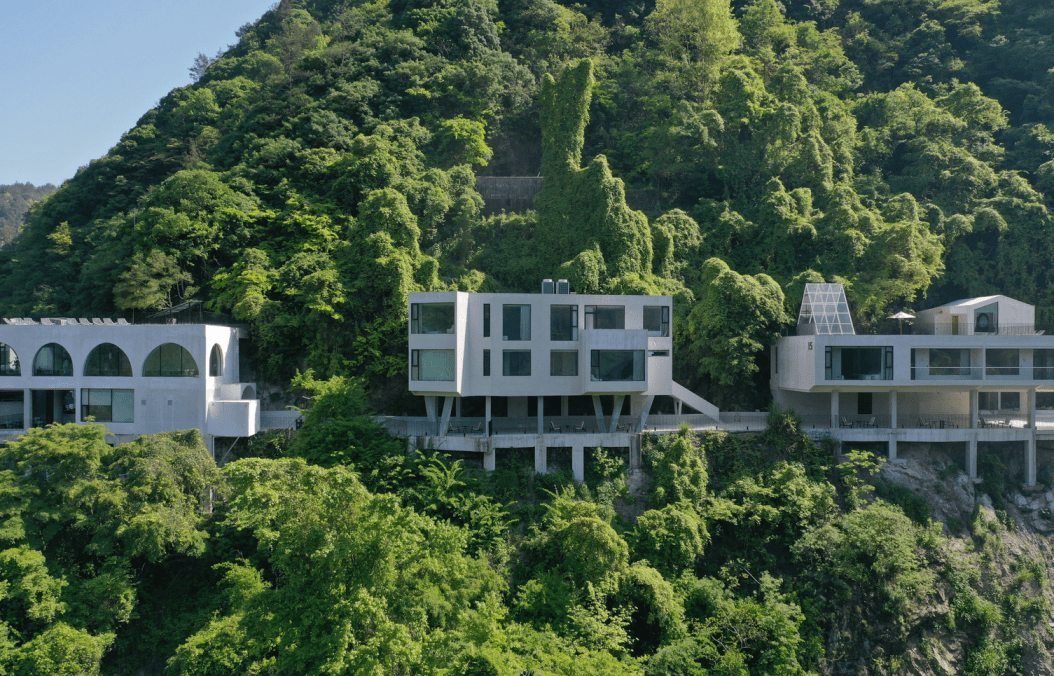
9,364
435,365
107,360
516,363
563,362
605,317
516,322
108,405
563,322
616,365
52,360
858,363
432,318
170,361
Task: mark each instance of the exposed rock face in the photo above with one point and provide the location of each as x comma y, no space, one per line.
935,477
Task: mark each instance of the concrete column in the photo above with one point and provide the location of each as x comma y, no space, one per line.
563,407
634,452
541,415
487,426
616,411
578,462
457,409
645,411
973,409
430,408
598,410
77,413
971,457
893,415
448,403
27,409
892,447
490,457
540,456
1031,403
835,422
1030,459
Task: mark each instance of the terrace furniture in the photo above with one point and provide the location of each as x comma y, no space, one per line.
123,322
479,428
846,423
554,428
453,429
621,427
928,425
580,428
871,422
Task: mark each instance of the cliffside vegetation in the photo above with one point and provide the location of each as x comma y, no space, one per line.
341,554
324,167
15,202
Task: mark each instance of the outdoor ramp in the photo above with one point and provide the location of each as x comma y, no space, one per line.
689,398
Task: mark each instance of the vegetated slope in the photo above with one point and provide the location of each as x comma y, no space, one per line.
324,166
15,201
723,554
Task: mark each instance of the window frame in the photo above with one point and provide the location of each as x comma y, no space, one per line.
122,362
91,409
183,372
552,363
574,322
505,365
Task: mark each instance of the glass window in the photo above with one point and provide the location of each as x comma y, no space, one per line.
1042,360
432,365
1000,362
108,405
486,362
1010,401
170,361
486,320
516,322
605,317
988,401
563,322
657,319
563,363
431,318
108,360
516,363
52,360
986,319
948,362
216,362
9,364
616,365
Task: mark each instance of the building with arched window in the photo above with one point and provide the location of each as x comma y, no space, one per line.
135,379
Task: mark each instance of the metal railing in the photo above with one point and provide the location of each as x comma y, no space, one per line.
280,420
13,421
982,373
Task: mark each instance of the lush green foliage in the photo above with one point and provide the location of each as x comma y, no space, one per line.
15,202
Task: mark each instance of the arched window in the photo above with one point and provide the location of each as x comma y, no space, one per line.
9,364
249,393
170,361
107,360
216,362
52,360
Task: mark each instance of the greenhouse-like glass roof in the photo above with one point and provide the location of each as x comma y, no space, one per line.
824,311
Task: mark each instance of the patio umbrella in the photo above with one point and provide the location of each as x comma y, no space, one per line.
900,317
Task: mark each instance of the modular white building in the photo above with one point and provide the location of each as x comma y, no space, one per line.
969,371
134,379
524,349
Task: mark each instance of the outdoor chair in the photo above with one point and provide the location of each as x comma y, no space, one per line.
554,428
846,423
871,422
580,428
479,428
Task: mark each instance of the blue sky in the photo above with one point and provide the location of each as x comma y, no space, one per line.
77,75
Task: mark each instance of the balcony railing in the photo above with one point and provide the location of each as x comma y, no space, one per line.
982,373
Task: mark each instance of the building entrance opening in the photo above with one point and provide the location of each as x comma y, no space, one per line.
53,406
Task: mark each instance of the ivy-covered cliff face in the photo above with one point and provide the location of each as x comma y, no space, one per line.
324,167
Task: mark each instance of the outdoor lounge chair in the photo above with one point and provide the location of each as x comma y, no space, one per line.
554,428
871,422
580,428
481,427
846,423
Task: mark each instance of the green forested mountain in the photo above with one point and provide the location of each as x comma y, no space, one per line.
324,167
15,201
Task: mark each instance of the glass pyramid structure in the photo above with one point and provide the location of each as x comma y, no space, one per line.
824,311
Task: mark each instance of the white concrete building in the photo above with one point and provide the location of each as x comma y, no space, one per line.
135,380
969,371
523,349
